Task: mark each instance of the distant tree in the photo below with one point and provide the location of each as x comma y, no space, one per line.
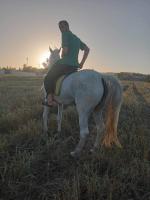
147,78
7,70
29,69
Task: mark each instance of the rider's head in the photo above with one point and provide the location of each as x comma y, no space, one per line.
63,25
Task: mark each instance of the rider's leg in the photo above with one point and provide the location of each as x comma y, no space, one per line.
52,76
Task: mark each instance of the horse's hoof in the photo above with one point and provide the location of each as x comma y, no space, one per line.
92,150
74,154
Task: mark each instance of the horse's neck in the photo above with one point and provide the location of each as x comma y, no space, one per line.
52,61
50,64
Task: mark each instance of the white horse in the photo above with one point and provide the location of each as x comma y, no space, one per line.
87,90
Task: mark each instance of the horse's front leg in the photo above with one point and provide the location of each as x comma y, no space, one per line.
84,132
45,119
59,117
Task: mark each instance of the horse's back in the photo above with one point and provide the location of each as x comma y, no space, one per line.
89,77
85,80
84,86
83,75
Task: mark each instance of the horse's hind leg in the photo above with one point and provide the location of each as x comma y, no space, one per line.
84,132
98,118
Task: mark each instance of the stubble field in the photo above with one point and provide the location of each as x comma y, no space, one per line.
34,168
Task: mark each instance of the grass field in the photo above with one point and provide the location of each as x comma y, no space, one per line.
34,169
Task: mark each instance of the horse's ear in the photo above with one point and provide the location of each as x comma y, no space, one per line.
50,49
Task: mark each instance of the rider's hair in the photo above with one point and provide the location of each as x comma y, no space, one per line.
64,22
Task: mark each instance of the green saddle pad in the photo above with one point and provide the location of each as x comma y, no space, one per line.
58,85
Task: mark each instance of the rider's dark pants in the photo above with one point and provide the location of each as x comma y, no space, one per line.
56,72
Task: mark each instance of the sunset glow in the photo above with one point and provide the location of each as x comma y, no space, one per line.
43,57
117,32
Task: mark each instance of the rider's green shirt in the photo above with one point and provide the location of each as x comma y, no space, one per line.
74,44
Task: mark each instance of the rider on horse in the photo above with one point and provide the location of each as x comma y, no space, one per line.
68,63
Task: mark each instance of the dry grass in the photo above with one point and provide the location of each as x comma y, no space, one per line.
34,168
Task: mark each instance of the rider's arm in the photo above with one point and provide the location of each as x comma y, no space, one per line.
86,50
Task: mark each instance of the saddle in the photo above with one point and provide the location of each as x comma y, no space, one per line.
58,85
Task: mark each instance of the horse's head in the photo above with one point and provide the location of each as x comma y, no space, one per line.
54,56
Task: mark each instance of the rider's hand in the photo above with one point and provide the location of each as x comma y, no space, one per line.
81,65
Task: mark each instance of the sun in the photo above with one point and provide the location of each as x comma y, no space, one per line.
43,57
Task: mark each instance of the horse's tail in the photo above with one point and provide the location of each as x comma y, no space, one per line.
111,117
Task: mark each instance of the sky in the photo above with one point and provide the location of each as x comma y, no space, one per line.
116,31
